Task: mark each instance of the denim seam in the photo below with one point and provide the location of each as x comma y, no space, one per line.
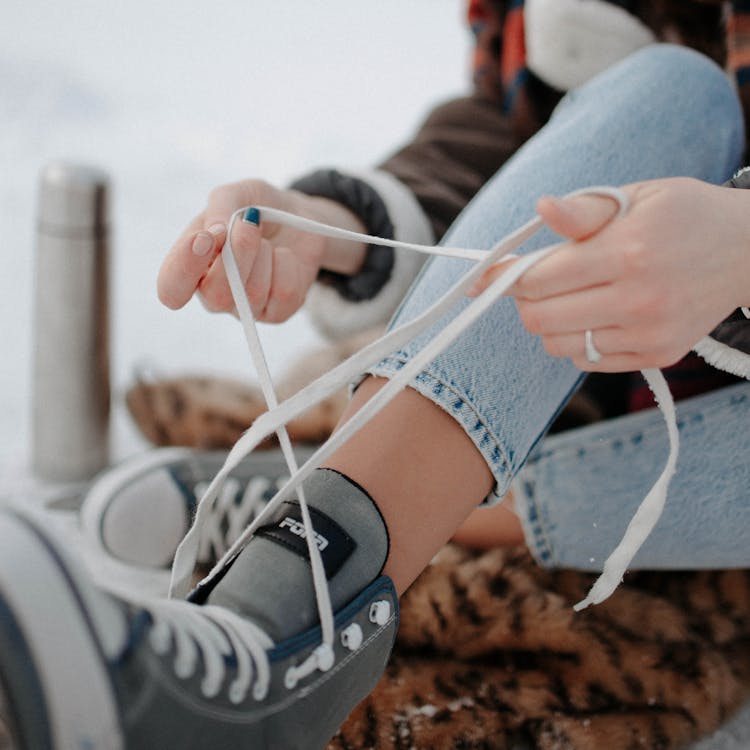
535,533
685,416
390,364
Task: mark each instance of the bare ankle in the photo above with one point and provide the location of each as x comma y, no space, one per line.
421,469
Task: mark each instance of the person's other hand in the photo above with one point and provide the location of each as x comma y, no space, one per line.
649,285
277,264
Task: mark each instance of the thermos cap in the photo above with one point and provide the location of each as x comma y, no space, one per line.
72,198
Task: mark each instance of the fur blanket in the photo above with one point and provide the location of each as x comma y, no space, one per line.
490,653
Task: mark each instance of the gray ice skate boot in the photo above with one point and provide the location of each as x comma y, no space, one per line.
83,669
139,511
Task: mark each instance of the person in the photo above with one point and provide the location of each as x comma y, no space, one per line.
242,660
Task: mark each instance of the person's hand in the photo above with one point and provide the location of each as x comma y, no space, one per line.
649,285
277,264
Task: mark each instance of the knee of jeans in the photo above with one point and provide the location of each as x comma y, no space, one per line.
674,67
694,87
689,93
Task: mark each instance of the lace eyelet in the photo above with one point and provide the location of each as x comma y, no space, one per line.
351,637
380,612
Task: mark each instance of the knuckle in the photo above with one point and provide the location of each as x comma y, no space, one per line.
257,296
639,306
277,314
288,292
531,318
635,257
285,293
257,301
218,194
262,187
217,299
530,287
655,340
550,346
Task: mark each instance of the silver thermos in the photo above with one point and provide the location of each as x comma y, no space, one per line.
71,391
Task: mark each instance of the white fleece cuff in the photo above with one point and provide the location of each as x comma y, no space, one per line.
336,317
568,42
724,357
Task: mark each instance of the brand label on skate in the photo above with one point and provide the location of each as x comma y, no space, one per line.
287,528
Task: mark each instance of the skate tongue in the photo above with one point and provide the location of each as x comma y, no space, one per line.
286,528
270,582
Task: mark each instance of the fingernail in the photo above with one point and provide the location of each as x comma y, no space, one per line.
202,244
217,229
554,201
252,216
474,291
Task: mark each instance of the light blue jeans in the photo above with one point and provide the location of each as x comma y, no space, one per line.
665,111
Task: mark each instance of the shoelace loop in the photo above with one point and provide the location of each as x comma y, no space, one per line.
231,512
217,634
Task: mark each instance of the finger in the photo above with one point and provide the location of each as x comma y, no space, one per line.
567,313
573,267
616,345
585,262
493,273
614,363
245,244
607,341
285,297
578,217
188,261
258,281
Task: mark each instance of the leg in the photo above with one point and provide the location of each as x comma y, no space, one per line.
485,528
663,112
578,493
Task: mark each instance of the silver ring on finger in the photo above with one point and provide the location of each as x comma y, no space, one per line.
593,355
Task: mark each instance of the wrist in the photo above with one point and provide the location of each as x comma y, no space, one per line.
339,256
355,203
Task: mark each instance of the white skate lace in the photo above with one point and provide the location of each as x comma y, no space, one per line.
231,513
215,633
277,416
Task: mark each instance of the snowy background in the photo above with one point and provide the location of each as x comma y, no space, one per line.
172,100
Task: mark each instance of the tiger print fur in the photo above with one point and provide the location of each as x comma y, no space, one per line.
491,655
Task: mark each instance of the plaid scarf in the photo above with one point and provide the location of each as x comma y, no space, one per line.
500,71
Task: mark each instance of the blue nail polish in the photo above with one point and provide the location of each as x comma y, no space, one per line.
252,216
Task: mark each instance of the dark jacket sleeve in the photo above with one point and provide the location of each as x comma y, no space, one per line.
460,145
